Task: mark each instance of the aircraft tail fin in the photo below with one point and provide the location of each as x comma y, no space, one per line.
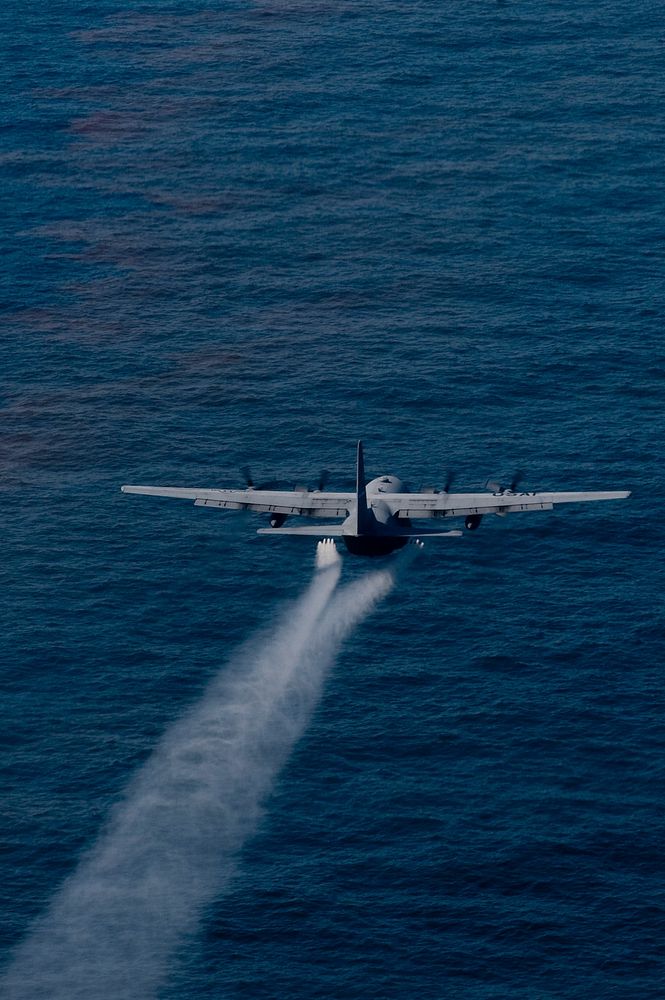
361,512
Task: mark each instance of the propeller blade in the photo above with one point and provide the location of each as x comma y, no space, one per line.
324,476
518,476
450,478
516,480
269,484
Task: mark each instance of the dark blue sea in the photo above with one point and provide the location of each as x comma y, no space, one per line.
252,232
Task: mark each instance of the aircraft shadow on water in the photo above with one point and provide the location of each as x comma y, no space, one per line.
377,516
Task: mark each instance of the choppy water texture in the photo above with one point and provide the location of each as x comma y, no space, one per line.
254,232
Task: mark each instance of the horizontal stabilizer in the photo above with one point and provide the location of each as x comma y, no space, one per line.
313,530
336,531
424,533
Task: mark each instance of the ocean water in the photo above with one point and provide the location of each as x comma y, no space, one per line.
253,232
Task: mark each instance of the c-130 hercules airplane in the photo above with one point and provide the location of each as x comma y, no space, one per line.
377,515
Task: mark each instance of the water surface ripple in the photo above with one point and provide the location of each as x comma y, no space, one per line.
254,232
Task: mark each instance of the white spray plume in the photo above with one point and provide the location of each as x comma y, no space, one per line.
326,554
171,845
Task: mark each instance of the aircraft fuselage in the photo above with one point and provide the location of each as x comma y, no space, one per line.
371,529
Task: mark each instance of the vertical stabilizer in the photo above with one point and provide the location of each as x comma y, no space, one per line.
361,512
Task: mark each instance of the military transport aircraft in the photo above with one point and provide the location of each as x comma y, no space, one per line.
377,515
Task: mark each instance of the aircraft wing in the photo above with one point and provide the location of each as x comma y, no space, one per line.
289,502
423,505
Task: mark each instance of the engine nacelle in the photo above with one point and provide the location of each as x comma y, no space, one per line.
277,520
472,521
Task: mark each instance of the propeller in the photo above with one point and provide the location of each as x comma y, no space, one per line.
247,476
450,478
270,484
444,489
321,483
274,484
518,476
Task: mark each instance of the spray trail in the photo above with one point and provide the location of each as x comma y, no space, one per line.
171,845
